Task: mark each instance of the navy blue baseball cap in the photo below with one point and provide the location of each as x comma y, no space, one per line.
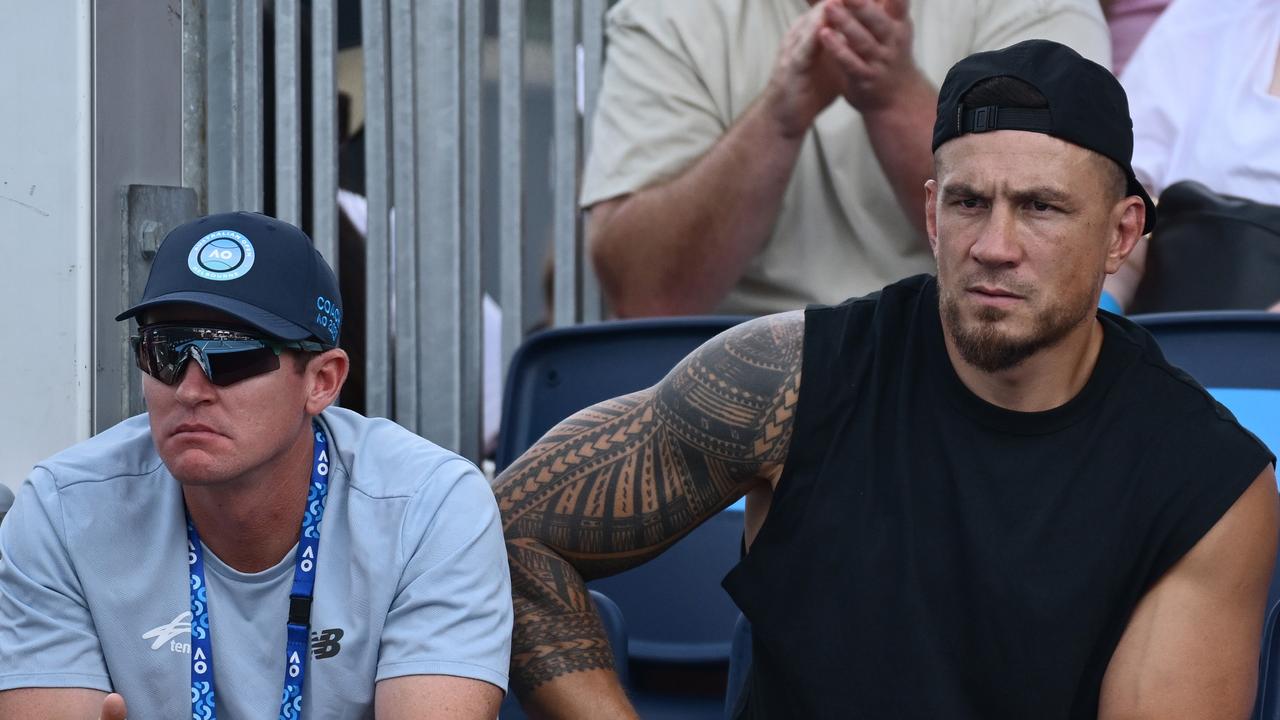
1087,105
255,268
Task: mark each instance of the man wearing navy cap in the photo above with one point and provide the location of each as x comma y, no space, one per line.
244,550
970,496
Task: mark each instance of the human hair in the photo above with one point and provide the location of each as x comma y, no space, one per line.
1010,92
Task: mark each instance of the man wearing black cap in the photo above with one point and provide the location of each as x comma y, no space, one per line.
326,564
969,496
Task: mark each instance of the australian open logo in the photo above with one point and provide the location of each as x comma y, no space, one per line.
221,255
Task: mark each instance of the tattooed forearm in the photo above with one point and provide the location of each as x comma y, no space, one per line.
618,483
550,642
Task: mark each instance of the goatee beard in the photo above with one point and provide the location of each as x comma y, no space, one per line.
985,347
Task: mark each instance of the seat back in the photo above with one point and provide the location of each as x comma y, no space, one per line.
558,372
6,501
1236,355
1210,251
739,665
675,608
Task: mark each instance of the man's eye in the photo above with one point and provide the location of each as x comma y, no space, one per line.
1040,206
970,203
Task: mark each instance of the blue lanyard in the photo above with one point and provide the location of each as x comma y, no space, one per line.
304,582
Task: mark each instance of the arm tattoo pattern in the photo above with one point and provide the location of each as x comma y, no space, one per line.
616,484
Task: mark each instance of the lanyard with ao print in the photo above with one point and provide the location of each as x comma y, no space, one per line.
304,581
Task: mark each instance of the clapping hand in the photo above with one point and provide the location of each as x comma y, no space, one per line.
858,49
871,42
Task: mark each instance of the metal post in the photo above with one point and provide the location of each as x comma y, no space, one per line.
439,221
195,162
324,130
565,165
222,27
247,134
288,104
511,174
471,362
593,62
404,229
375,31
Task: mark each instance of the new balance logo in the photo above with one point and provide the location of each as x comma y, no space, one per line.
166,633
324,643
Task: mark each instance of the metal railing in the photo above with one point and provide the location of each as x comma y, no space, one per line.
437,212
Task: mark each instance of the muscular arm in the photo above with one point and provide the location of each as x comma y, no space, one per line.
678,247
616,484
901,134
872,43
1191,647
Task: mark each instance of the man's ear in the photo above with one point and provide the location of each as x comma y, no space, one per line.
1126,221
325,374
931,214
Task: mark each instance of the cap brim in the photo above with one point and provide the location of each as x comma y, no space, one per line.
269,323
1135,188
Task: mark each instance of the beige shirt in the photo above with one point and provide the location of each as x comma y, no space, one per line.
678,73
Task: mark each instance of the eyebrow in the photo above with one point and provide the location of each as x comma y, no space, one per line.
1040,193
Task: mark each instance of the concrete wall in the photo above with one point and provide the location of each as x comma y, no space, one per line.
91,97
45,238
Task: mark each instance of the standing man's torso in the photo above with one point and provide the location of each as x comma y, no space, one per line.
840,231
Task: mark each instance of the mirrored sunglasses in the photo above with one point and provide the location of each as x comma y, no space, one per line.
226,355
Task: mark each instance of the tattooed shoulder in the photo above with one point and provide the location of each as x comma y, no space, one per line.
617,483
735,396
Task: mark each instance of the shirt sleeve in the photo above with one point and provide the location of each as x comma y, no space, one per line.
452,611
1078,24
47,635
654,115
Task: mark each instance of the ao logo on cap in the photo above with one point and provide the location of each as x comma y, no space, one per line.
221,255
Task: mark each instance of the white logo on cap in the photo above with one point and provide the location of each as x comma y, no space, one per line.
221,255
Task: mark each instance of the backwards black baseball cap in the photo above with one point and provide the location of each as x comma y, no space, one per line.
1087,105
255,268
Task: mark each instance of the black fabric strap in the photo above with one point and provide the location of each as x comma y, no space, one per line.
994,117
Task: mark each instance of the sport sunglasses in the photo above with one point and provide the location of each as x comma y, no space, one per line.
226,355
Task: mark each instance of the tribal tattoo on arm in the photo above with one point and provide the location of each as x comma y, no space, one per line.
616,484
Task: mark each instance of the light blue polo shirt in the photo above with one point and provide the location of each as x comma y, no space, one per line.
412,579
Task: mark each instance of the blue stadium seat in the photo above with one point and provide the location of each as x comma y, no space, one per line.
615,627
558,372
739,664
6,501
1267,706
676,611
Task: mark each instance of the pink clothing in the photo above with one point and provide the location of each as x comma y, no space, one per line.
1129,21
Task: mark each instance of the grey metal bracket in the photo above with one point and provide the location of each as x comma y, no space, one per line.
150,212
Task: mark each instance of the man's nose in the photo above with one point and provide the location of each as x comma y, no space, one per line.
998,243
193,385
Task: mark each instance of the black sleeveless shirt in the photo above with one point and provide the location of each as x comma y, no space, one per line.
930,555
